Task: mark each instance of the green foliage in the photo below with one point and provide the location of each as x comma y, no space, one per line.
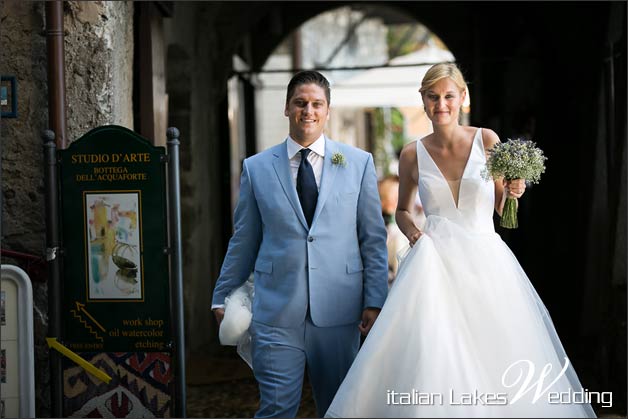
381,157
401,41
398,133
389,137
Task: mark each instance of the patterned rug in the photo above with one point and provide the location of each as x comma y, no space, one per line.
142,386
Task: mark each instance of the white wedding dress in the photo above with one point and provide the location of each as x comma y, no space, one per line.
459,314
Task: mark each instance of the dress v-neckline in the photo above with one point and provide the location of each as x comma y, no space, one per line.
464,171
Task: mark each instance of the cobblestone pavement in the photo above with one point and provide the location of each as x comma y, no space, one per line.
223,386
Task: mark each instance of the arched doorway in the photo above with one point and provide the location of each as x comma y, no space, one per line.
374,60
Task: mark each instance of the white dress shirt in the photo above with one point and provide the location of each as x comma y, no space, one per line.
316,158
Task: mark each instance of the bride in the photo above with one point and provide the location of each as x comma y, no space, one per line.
463,333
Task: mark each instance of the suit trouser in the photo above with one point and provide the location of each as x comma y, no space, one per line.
281,354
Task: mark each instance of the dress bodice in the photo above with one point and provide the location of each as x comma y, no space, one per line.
476,198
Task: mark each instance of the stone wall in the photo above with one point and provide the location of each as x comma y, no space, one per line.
193,109
99,74
23,55
99,65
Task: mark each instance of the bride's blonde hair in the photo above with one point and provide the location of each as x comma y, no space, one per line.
440,71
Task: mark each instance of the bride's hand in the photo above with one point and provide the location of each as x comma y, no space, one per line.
515,187
414,237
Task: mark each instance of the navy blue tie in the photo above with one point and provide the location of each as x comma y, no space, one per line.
306,187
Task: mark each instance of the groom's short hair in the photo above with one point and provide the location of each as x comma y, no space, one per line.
308,77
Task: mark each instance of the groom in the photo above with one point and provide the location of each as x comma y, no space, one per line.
308,222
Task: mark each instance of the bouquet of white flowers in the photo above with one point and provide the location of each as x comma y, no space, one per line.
514,159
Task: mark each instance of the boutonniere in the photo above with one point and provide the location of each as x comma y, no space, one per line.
339,159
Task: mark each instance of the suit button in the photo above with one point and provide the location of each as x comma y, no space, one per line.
310,239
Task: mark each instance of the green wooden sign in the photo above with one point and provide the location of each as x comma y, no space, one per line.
114,228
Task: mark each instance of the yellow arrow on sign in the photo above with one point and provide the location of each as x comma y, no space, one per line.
53,343
81,307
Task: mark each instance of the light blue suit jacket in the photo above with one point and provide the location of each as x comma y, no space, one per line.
338,266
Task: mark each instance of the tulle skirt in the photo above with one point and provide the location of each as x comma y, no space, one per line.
462,334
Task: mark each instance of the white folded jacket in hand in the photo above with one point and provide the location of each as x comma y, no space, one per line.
237,320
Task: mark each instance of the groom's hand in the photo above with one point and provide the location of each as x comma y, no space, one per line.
368,319
219,313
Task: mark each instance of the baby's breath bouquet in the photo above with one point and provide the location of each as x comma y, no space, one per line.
514,159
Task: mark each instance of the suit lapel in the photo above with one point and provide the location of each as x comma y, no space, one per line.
281,164
327,182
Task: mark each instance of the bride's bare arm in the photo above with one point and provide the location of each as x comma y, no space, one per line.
408,181
489,138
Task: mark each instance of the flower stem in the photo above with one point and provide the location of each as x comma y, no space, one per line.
509,214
